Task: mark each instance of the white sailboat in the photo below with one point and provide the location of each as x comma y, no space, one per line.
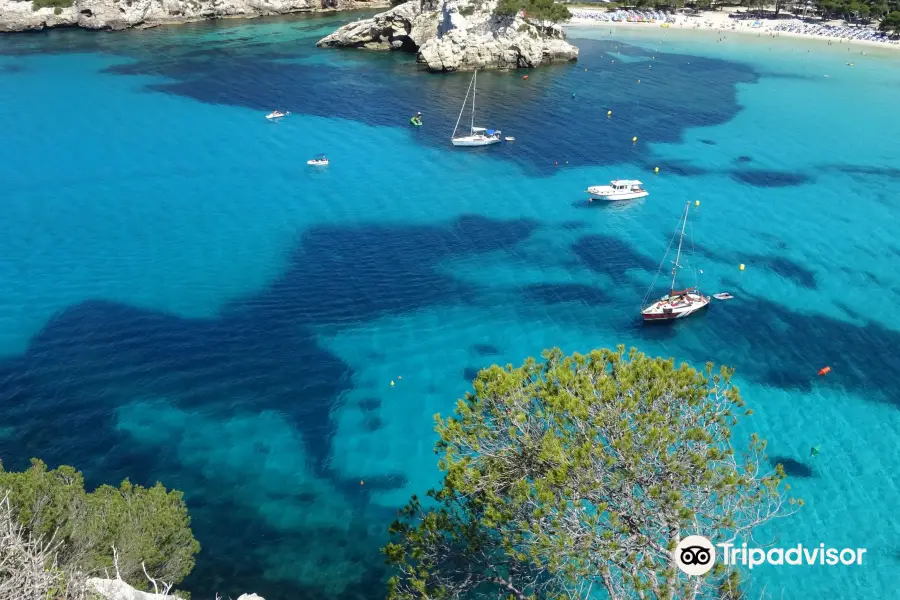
478,136
677,303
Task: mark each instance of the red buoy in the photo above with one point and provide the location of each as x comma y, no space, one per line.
524,76
824,370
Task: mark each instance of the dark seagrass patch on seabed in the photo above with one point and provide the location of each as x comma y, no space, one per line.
558,293
770,179
793,467
485,349
470,373
611,256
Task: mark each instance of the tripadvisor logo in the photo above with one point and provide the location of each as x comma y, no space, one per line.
695,555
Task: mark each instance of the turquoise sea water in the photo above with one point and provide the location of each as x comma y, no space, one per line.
185,300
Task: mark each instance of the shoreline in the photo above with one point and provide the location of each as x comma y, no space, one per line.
105,15
719,22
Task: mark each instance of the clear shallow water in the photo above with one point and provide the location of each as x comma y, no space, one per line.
185,300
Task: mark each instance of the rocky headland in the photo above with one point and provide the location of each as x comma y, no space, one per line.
458,35
31,15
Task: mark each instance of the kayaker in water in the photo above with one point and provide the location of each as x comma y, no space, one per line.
416,120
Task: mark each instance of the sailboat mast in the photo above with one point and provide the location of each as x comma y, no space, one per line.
680,240
474,92
458,119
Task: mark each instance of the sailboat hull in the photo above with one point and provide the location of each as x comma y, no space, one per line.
475,140
667,309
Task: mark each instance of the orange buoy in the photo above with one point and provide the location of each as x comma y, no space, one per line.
824,370
361,482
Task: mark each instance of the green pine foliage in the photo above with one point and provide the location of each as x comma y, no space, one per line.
730,589
891,23
39,4
538,10
580,473
145,525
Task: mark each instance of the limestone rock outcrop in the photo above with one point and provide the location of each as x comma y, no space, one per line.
116,589
405,27
19,15
452,35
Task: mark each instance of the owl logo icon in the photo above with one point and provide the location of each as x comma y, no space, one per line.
695,555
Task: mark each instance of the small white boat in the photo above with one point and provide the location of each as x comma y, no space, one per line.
277,114
478,136
619,189
509,138
723,296
319,161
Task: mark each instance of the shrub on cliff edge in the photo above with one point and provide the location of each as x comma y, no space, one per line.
39,4
581,473
538,10
145,525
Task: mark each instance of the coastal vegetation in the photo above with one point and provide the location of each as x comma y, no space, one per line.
130,532
583,472
891,23
538,10
850,10
856,10
39,4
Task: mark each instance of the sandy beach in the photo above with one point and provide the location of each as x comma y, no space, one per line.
720,22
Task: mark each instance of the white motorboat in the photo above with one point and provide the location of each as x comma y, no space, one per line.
723,296
319,161
509,138
619,189
677,303
277,114
478,136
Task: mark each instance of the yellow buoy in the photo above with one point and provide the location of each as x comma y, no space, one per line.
656,170
392,384
634,139
742,266
696,203
609,113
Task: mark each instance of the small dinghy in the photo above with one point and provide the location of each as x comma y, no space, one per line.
509,138
277,114
319,161
723,296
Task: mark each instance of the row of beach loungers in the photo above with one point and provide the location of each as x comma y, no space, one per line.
834,31
656,16
630,16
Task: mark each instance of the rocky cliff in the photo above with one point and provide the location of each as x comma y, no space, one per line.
451,35
116,589
22,15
